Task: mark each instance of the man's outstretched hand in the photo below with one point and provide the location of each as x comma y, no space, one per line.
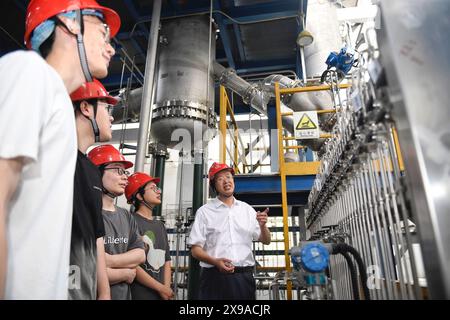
262,217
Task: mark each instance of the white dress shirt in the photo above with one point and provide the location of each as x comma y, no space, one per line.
226,232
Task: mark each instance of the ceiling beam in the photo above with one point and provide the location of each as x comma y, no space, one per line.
113,80
125,36
224,35
267,68
136,17
263,11
240,45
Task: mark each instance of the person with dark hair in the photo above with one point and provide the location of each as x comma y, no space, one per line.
88,279
70,45
153,277
123,244
221,239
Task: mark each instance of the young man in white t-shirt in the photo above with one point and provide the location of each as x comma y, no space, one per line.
39,149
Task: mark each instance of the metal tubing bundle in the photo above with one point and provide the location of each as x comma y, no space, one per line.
359,198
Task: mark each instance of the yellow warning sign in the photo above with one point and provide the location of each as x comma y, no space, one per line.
305,123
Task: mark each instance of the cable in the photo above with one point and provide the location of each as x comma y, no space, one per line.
353,275
343,247
12,38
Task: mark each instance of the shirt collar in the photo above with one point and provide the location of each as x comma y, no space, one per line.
217,203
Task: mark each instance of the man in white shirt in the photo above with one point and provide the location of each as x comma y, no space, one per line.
221,239
70,43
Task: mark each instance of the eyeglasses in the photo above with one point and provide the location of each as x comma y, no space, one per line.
120,171
106,33
153,187
109,107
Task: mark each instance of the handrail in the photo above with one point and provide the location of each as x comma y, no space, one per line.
289,168
236,157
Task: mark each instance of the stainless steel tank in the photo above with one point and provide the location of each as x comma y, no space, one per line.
185,90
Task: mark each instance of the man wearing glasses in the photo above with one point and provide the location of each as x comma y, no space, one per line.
123,245
221,239
88,279
68,45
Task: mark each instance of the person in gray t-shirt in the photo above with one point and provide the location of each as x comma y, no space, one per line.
153,278
124,248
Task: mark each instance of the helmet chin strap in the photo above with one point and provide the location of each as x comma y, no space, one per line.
109,193
94,124
81,48
95,129
147,205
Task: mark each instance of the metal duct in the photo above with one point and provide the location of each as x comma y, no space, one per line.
305,101
249,92
323,24
133,101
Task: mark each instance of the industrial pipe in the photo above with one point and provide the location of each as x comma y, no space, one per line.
160,164
249,92
146,103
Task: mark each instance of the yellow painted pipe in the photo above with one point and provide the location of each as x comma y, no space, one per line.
283,188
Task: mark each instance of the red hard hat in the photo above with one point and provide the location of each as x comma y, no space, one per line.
136,181
217,167
105,154
92,90
39,11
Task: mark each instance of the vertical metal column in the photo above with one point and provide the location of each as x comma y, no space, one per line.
146,103
197,202
223,125
160,154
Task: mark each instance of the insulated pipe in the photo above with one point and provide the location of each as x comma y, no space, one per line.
259,97
249,93
322,22
146,103
132,103
297,102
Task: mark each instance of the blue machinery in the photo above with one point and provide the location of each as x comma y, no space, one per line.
340,62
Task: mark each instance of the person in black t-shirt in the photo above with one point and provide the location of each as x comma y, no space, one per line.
88,279
123,245
153,278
